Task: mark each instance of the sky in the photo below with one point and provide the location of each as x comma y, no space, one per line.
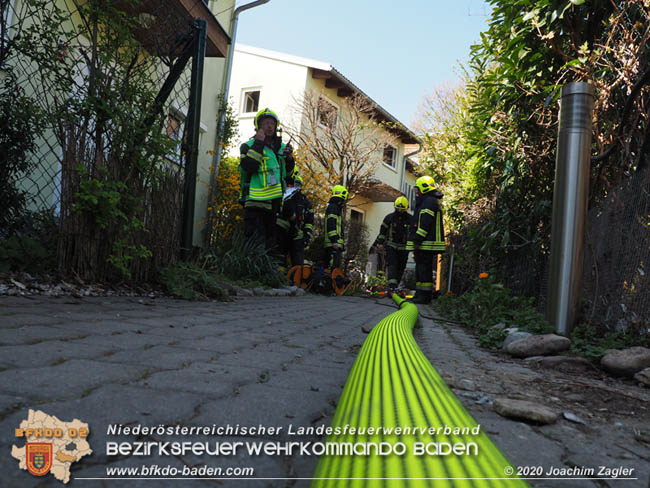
396,51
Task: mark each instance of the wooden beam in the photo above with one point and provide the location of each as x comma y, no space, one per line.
334,83
320,74
345,92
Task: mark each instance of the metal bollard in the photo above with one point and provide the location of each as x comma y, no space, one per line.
570,197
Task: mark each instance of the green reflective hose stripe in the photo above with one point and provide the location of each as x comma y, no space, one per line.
393,385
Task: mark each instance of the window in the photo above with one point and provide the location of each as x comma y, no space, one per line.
250,101
328,113
174,130
409,193
390,156
8,17
356,217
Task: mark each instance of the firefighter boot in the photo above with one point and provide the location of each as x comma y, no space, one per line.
423,297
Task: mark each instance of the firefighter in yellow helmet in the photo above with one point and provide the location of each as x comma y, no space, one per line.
296,221
392,238
264,165
427,236
334,242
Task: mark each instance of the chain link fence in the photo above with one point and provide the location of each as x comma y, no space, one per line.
110,84
616,281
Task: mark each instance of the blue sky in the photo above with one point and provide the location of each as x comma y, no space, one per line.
395,51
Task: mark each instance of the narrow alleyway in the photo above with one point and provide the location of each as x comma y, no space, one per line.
271,362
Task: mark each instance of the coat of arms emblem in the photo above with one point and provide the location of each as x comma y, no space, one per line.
39,457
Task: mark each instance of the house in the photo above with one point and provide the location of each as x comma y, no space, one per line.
262,78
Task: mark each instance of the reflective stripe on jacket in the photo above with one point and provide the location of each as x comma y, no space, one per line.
427,229
268,180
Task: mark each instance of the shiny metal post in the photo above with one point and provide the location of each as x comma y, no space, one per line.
570,197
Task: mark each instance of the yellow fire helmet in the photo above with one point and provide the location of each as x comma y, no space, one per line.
266,112
401,203
340,191
425,184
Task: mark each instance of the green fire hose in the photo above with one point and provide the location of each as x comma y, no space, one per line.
398,424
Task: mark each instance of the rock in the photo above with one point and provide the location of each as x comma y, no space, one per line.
643,376
538,346
468,385
573,418
243,292
515,336
525,410
500,325
562,363
18,284
280,292
259,291
626,362
292,289
300,292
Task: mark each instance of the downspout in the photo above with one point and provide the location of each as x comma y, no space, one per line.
406,156
231,55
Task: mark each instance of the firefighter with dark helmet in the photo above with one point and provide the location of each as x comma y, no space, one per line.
296,221
427,236
392,237
334,239
264,164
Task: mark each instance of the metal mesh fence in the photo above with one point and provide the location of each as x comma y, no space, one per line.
111,83
616,281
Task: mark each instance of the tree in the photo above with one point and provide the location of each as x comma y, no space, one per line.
343,144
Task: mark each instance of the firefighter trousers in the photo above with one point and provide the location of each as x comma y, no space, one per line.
396,260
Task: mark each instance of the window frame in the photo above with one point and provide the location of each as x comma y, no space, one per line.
360,212
242,106
318,112
394,159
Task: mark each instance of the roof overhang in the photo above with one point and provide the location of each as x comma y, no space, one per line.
378,191
164,22
345,88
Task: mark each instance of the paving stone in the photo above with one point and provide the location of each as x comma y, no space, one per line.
101,327
210,380
72,378
255,357
33,334
49,353
126,340
16,319
160,357
11,402
280,409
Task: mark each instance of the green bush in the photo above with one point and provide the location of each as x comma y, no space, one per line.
247,260
31,247
190,282
489,303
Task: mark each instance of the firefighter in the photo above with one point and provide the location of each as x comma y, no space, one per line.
427,236
334,243
296,221
392,238
264,164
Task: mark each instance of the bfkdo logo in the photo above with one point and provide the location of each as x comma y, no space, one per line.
51,445
39,457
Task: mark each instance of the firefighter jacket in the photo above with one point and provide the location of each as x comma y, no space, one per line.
394,230
426,226
263,170
297,216
333,223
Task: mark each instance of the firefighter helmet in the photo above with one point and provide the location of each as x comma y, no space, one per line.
266,112
425,184
340,191
401,203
